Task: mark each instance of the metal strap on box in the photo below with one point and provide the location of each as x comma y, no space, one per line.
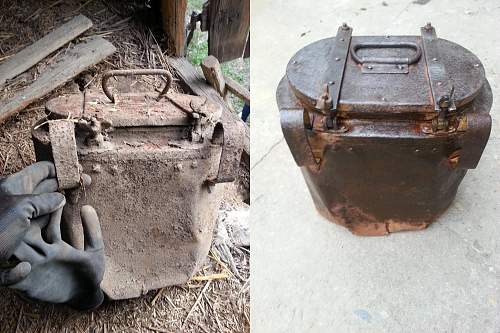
336,70
64,152
440,83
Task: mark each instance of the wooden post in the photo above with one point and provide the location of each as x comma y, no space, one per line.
229,28
213,74
174,25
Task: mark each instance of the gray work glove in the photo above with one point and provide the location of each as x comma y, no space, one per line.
60,273
24,196
36,179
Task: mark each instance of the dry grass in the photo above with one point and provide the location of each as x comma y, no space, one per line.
215,301
215,304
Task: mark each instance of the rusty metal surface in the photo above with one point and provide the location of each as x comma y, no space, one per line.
154,182
386,60
62,134
389,170
134,109
126,72
440,81
378,94
292,124
232,146
474,139
336,71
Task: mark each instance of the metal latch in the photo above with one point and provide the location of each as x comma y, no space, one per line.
64,152
442,88
329,98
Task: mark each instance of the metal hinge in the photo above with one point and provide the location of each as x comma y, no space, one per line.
328,101
441,85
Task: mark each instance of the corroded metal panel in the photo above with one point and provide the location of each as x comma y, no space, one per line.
155,164
389,165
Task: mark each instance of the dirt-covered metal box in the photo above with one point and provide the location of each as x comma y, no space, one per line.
155,163
384,128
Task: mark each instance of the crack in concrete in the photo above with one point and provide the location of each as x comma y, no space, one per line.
267,153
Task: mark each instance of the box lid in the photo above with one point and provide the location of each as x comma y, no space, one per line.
384,74
135,109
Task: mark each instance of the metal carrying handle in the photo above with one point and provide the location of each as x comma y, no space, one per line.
126,72
387,60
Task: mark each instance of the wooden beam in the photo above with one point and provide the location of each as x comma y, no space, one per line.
213,74
192,80
32,54
247,48
75,61
174,25
238,90
229,28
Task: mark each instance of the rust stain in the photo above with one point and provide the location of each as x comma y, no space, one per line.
453,159
362,224
157,213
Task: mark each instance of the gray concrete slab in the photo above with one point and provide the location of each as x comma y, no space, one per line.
309,275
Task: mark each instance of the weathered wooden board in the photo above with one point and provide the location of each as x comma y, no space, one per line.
229,28
77,59
174,25
32,54
213,74
237,89
247,48
193,81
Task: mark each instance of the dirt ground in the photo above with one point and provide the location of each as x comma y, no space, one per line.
210,302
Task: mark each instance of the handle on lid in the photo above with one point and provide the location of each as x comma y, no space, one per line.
386,60
126,72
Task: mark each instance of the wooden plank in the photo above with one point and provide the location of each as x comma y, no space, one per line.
229,28
75,61
238,90
32,54
247,48
174,25
193,81
213,74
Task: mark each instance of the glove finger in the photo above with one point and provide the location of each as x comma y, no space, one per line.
26,253
42,221
34,239
91,229
14,275
53,232
43,204
26,180
46,186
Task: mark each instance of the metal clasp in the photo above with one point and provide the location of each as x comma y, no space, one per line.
441,85
330,96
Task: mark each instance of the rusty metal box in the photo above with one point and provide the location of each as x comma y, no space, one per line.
384,128
155,164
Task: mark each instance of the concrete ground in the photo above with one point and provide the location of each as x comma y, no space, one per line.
309,275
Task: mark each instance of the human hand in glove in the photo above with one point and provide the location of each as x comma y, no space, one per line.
24,196
59,272
36,179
